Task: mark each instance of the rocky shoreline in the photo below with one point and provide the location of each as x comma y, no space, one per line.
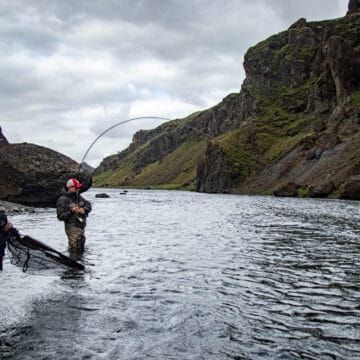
12,208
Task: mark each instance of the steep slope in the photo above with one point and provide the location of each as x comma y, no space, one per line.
303,132
293,129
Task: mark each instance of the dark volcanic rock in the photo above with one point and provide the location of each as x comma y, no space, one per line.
322,190
35,175
311,71
102,195
11,208
351,189
3,139
212,178
354,6
289,189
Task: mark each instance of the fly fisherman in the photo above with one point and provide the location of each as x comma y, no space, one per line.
5,226
73,209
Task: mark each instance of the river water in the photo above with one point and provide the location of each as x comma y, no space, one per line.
182,275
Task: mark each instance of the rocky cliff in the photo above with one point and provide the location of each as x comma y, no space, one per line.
3,139
293,129
35,175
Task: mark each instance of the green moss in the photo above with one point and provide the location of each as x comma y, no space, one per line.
355,99
238,149
280,54
178,167
281,146
177,170
307,54
303,192
114,177
266,138
335,194
348,27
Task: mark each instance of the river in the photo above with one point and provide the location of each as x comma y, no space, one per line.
183,275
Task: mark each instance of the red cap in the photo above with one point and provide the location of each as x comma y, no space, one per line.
73,182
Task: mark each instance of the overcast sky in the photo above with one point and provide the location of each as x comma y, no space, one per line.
71,68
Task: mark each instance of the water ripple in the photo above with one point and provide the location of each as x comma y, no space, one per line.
177,275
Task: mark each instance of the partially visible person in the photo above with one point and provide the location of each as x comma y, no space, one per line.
5,227
73,209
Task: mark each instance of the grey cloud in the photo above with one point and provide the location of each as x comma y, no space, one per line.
64,62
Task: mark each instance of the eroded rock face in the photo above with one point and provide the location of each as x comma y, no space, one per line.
35,175
218,182
311,71
354,6
3,139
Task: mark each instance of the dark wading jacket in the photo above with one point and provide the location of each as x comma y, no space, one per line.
65,203
3,234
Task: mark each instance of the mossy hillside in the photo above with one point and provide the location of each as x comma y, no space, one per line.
269,136
123,171
238,152
278,131
293,100
121,168
116,177
177,170
348,27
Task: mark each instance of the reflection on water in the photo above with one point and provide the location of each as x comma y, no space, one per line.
176,275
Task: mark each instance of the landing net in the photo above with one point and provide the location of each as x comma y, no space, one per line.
28,252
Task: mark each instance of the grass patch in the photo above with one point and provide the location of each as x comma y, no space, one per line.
178,168
303,192
355,99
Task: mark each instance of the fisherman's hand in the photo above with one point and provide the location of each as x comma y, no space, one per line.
8,226
81,211
75,210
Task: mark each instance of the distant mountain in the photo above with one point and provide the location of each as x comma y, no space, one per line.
87,167
293,130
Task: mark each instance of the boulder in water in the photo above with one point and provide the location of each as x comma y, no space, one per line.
289,189
102,195
351,189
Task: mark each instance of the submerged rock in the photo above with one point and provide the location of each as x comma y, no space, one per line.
102,195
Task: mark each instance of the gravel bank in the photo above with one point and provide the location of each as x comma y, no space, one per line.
12,208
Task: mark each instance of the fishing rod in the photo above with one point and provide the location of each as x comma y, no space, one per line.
114,126
166,119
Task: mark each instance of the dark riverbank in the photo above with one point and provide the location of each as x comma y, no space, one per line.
13,208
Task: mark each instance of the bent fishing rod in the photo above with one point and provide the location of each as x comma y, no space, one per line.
166,119
114,126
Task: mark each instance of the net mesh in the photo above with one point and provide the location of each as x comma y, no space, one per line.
28,252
